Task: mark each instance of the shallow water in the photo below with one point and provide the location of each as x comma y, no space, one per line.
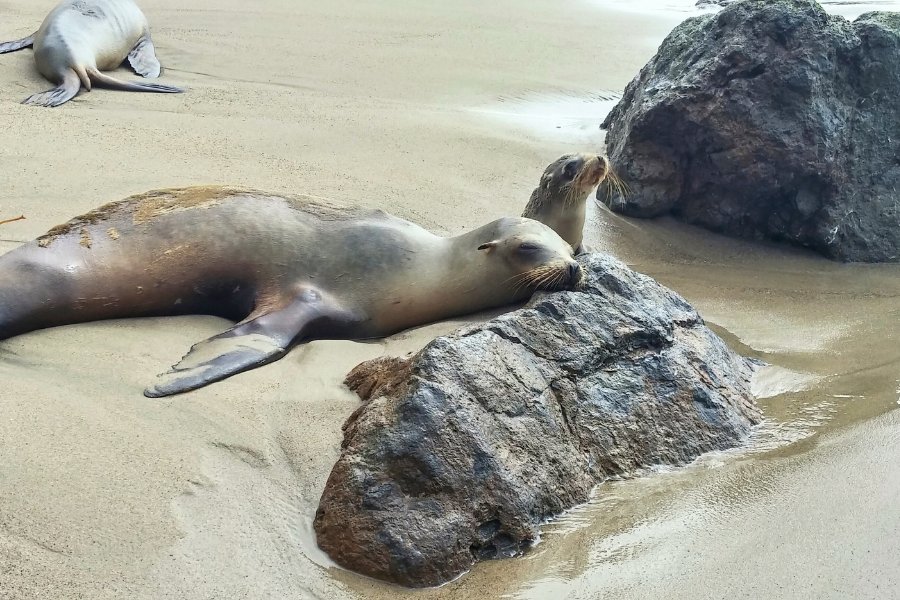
564,116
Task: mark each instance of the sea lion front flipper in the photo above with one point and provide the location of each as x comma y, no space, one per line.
217,358
142,57
251,344
14,45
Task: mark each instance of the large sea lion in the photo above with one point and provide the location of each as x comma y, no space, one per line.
559,201
289,269
80,38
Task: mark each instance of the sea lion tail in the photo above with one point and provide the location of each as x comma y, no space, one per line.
25,42
106,81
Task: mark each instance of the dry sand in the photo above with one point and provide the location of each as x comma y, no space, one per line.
417,108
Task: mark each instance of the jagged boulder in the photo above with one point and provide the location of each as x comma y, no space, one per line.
769,119
462,451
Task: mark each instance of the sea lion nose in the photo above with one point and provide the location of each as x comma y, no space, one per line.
574,273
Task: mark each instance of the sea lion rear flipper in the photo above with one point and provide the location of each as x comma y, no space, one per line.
104,80
142,57
61,94
17,44
250,344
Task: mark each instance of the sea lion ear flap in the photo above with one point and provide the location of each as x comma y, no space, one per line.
488,245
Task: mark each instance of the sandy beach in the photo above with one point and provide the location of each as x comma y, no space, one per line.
444,114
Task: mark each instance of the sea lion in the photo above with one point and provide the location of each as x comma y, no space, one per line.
288,268
79,38
560,198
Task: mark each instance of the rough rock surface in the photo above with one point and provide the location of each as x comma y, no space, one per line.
464,449
769,119
705,3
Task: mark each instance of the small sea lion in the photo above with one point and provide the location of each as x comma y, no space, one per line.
559,201
80,38
288,268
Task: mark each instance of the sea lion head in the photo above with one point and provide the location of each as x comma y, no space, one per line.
570,178
533,256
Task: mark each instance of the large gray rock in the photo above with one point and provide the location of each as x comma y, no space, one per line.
769,119
464,449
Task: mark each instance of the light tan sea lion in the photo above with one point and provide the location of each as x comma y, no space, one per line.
80,38
289,269
559,201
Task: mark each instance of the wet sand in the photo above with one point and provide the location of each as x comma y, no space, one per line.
106,494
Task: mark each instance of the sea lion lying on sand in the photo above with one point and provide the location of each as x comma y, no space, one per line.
289,269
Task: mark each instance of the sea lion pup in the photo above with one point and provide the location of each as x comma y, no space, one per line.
289,269
560,198
80,38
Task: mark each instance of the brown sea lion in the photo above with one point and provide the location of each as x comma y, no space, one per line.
559,201
80,38
289,269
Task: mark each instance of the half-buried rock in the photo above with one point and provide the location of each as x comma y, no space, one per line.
770,119
463,450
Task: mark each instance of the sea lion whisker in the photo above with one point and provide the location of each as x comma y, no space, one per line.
554,280
621,186
621,181
538,275
542,283
547,276
523,279
612,188
533,283
524,283
521,286
520,276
